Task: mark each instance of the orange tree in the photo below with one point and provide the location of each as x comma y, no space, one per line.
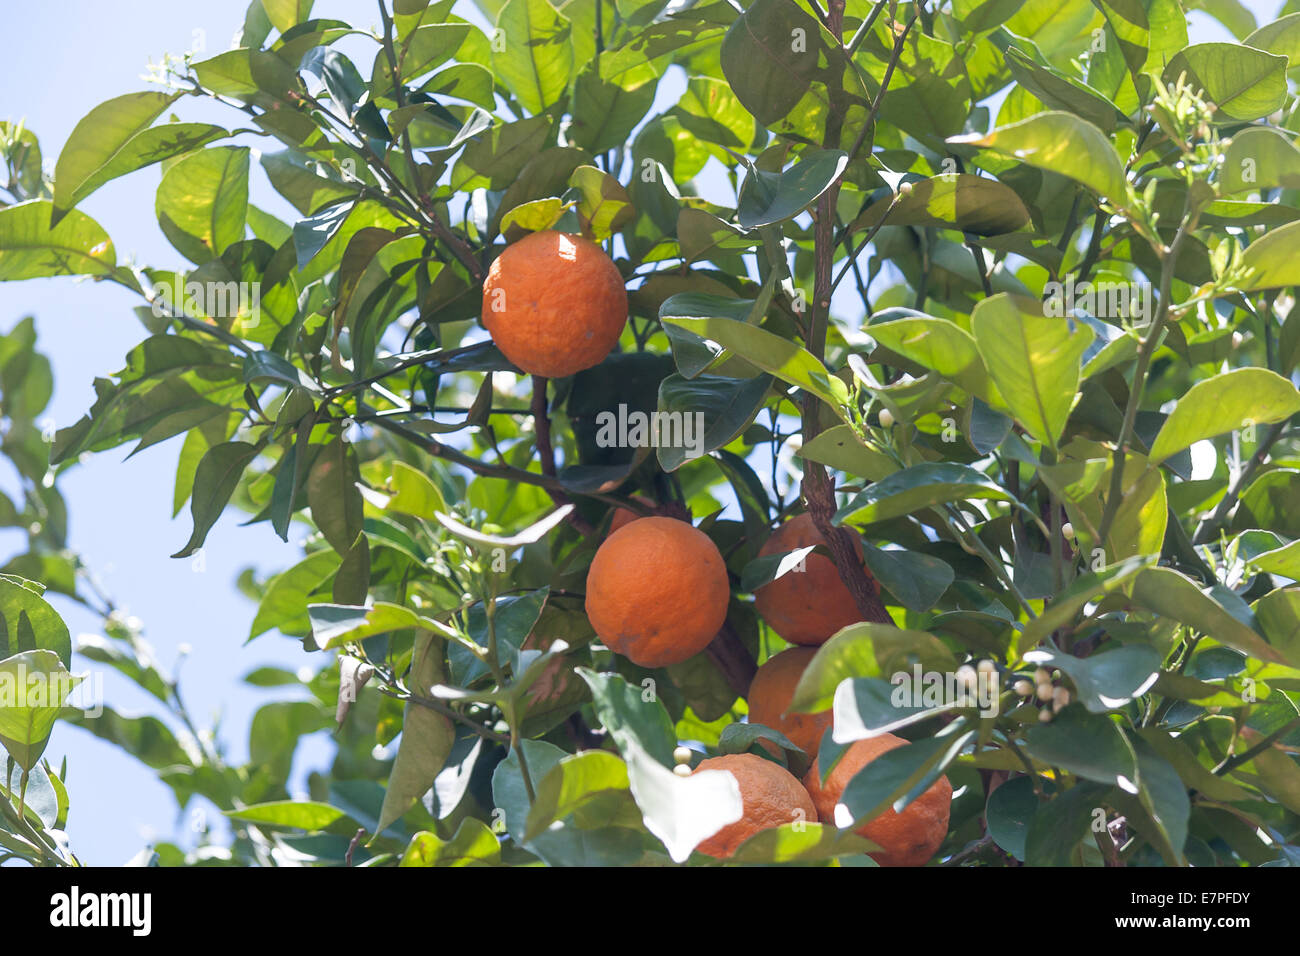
1000,295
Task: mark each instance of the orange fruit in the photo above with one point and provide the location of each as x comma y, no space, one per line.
808,606
554,304
909,838
657,591
625,516
770,796
769,698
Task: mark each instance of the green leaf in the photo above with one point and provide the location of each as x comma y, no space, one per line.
1083,590
712,409
916,488
308,191
936,344
800,843
28,622
973,204
573,783
473,845
711,111
284,14
100,138
841,448
534,216
1033,360
1087,745
741,738
607,107
427,735
143,149
605,207
214,482
508,790
1271,261
1244,83
298,814
284,602
1278,614
1061,143
266,366
1059,824
1260,158
332,494
537,60
202,202
692,353
631,716
30,249
1009,814
865,650
414,493
771,353
1242,397
1163,795
768,198
763,62
1106,680
33,687
1179,598
534,532
916,580
1059,91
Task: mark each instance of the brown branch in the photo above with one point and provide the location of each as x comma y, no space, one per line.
546,452
729,654
818,489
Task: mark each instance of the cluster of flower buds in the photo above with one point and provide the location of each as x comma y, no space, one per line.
1046,691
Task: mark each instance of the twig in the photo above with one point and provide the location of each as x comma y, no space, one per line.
352,847
546,452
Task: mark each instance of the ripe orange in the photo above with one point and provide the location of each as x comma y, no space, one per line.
554,303
808,606
625,516
770,796
657,591
769,697
909,838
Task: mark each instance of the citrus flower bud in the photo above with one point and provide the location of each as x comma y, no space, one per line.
682,755
986,667
1023,687
1067,530
1044,715
886,418
682,770
1045,692
1042,677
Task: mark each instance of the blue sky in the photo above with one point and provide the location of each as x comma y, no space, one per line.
63,58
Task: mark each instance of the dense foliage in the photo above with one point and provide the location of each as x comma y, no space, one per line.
1004,286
